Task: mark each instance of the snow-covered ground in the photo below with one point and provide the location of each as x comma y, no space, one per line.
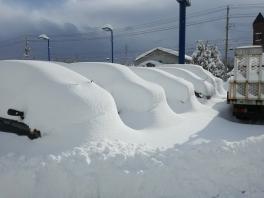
206,153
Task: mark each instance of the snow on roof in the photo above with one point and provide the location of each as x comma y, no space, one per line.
170,51
249,46
249,50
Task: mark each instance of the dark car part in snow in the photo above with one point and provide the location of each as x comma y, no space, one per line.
14,112
19,128
200,95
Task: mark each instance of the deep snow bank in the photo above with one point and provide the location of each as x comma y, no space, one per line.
115,169
140,104
200,86
179,92
203,74
51,96
59,102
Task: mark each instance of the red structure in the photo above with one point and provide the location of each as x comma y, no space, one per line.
258,30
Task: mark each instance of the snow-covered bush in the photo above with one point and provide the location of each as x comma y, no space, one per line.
209,57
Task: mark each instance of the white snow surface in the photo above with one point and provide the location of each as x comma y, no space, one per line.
207,153
140,103
58,102
203,74
46,90
200,86
179,92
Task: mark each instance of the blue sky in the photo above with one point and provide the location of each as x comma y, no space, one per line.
76,17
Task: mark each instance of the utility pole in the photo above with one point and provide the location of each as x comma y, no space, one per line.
27,48
126,51
182,29
227,36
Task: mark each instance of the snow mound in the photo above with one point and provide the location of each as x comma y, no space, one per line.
140,104
203,74
179,92
200,86
220,87
55,100
214,169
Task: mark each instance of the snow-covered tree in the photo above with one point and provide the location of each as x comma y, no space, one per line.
209,57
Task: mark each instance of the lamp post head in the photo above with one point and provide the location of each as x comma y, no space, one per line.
107,27
44,37
187,2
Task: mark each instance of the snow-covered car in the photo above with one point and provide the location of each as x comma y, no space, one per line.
203,74
179,92
50,98
141,104
202,88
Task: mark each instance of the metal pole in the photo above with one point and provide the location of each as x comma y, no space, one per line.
48,49
182,31
112,46
227,35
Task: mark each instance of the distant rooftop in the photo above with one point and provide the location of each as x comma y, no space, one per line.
170,51
259,19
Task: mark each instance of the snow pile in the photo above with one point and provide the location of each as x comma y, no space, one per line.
206,154
215,169
140,104
217,83
179,92
200,86
46,92
59,102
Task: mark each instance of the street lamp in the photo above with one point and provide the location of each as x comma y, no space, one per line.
109,28
45,37
182,29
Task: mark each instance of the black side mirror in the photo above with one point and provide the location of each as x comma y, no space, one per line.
13,112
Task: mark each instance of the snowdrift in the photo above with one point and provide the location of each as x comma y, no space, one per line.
140,104
200,86
179,92
203,74
57,101
205,155
115,170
